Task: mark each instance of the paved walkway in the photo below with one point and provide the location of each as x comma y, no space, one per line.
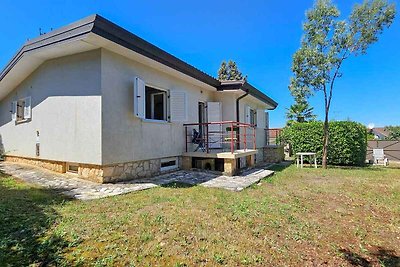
72,186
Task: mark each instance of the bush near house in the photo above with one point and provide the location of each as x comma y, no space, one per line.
347,144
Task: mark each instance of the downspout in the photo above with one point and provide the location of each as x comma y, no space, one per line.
238,116
237,106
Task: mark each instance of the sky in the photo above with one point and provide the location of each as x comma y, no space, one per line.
260,35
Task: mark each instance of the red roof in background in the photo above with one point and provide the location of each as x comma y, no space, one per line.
381,131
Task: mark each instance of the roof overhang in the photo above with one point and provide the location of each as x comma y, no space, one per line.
248,88
96,32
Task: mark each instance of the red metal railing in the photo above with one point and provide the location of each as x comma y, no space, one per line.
273,136
219,136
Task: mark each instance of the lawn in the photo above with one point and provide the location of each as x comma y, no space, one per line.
335,217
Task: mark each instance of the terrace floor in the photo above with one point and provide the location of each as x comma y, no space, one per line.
72,186
219,154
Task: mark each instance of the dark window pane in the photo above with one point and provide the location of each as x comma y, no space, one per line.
159,106
168,163
155,104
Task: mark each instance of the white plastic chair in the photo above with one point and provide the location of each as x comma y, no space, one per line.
379,155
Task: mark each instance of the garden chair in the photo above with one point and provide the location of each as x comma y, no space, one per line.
379,155
198,140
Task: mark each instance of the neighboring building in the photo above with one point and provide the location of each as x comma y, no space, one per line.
380,133
95,99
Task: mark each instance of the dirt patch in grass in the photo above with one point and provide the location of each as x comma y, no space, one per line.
334,217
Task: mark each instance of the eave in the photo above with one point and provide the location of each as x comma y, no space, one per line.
94,32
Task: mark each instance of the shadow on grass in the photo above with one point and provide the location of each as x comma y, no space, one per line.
384,257
279,167
177,185
26,216
364,167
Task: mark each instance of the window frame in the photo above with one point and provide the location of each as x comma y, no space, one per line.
170,167
165,93
20,109
253,116
73,165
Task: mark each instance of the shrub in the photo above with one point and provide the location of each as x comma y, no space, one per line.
347,141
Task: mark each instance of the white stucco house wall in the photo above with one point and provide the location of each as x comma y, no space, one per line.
95,99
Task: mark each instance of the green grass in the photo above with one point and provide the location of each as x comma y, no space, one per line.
339,217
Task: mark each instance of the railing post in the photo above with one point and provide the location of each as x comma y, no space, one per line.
207,144
245,138
232,138
254,137
186,139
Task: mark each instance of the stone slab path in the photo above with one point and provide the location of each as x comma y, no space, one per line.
72,186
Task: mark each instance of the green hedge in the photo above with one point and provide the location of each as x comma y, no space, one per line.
347,141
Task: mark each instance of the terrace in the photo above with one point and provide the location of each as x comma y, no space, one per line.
222,146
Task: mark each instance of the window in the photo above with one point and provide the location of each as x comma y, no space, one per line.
156,104
169,164
252,117
21,110
73,168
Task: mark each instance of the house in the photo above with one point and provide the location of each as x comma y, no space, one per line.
380,133
94,99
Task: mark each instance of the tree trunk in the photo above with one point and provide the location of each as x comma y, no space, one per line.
325,142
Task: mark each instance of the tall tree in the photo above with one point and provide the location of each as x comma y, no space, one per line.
300,111
327,42
223,72
229,71
234,73
394,132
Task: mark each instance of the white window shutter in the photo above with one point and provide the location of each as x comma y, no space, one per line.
247,114
178,106
14,110
27,108
139,98
214,112
260,118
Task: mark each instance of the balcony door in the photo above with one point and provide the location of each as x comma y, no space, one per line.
214,114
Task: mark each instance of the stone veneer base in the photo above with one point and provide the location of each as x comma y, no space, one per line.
273,154
98,173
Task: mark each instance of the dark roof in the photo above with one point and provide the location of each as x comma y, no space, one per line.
109,30
381,131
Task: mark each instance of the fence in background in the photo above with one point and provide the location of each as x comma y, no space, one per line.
273,136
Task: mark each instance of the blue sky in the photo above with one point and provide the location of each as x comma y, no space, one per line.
261,36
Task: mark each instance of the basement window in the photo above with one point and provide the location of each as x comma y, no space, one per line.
169,164
73,168
156,104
